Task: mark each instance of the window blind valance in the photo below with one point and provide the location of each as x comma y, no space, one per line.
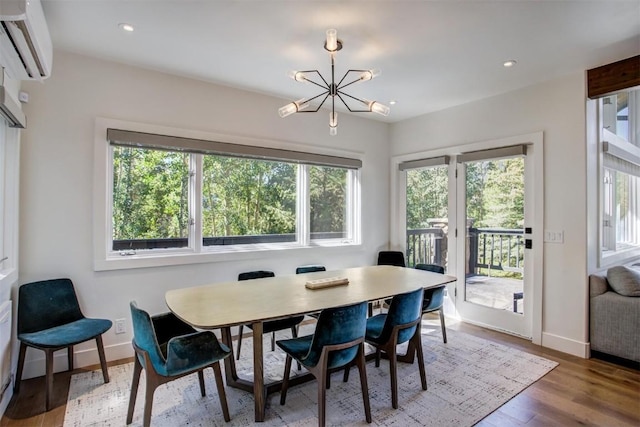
125,138
424,163
494,153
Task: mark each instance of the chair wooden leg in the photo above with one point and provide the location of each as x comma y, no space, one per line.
420,355
294,333
137,370
49,378
345,377
362,368
393,373
377,357
203,392
444,330
285,380
273,341
148,400
70,357
221,393
23,352
240,328
322,394
103,359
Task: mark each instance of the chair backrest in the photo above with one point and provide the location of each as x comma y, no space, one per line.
310,269
435,268
391,258
405,308
338,325
144,336
46,304
258,274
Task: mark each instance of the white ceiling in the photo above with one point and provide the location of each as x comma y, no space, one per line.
433,54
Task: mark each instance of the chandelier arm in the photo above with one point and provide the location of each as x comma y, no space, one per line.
347,105
326,95
351,96
348,84
316,83
345,76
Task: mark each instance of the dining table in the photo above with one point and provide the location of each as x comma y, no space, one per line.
223,305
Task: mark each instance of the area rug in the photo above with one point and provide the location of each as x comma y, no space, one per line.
468,378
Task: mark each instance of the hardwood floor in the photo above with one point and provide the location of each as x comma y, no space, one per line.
578,392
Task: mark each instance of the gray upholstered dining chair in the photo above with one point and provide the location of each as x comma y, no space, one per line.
270,326
434,297
50,319
338,341
168,349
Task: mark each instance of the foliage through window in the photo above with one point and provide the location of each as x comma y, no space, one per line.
244,197
328,202
176,200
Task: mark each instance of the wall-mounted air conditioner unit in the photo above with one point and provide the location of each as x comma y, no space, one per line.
25,43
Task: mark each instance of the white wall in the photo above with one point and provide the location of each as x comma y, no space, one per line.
56,182
558,109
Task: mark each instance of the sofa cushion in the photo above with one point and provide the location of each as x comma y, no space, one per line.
624,280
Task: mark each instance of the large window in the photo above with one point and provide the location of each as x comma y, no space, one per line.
620,176
172,196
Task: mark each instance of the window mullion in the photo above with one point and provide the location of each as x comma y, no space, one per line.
195,203
303,207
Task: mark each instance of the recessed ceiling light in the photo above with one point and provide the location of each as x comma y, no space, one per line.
392,102
509,63
126,27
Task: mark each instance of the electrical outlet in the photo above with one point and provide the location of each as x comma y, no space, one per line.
120,326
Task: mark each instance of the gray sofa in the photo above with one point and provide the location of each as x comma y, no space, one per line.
614,321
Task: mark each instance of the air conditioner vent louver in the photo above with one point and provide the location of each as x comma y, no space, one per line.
25,44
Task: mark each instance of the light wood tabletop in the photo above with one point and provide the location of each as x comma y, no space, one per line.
239,302
226,304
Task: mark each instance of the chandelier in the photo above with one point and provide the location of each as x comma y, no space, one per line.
333,89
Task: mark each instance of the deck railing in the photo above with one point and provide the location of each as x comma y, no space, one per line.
488,248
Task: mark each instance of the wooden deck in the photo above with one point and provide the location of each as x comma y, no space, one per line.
495,292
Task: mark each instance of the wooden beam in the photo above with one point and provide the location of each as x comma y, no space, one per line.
614,77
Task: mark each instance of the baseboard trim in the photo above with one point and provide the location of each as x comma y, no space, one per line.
566,345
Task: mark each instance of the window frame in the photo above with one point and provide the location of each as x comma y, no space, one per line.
618,147
196,252
9,203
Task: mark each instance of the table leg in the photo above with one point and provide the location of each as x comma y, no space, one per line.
259,391
230,373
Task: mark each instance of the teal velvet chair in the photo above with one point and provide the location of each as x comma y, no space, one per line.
168,349
50,319
434,297
310,269
399,325
270,326
338,341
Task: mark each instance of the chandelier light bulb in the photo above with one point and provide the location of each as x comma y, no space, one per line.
292,107
332,40
333,123
298,76
369,74
376,107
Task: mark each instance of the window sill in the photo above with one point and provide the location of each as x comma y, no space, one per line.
619,257
115,261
